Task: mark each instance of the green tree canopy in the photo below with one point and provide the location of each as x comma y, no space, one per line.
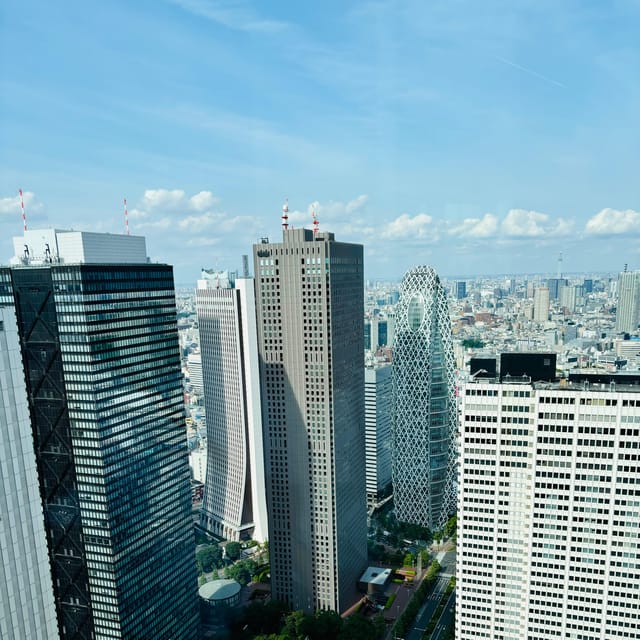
233,550
241,571
209,557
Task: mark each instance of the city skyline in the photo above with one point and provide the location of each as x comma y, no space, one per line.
431,134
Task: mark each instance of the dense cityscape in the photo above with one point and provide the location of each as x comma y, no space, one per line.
365,460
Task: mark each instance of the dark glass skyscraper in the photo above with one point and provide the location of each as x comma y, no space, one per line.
100,351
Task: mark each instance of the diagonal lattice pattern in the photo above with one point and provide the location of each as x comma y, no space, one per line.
424,396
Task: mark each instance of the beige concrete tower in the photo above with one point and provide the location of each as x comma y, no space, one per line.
309,302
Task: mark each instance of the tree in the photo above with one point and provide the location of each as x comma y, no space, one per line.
209,557
241,571
265,618
325,625
450,527
357,627
408,559
293,625
233,550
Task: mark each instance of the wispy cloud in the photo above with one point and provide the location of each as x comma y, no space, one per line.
531,72
231,14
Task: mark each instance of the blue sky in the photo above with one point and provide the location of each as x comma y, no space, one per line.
479,137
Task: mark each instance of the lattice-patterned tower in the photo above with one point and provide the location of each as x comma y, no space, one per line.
424,396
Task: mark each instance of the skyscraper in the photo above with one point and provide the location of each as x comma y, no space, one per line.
310,298
234,505
541,304
628,310
99,347
548,519
425,421
461,290
27,608
378,416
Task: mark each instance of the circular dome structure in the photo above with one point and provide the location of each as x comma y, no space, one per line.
220,592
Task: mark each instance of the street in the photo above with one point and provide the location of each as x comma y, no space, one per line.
446,618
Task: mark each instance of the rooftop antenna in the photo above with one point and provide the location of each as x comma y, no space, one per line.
126,217
24,215
560,266
285,214
316,224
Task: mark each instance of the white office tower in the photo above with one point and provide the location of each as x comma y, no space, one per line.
378,414
425,417
549,512
194,365
27,608
234,505
628,310
541,304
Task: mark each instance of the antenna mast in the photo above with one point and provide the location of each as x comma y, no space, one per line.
316,224
24,215
285,214
126,217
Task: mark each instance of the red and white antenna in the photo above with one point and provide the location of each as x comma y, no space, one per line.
126,217
24,215
316,223
285,214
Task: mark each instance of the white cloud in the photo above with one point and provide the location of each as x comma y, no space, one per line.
333,210
404,226
613,222
193,224
202,201
138,213
523,223
484,227
11,205
163,199
357,203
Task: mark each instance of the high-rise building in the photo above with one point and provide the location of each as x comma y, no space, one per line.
555,285
628,310
99,347
378,414
234,505
541,304
548,518
425,417
194,366
27,608
309,300
461,290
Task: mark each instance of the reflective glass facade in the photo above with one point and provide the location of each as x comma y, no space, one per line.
100,348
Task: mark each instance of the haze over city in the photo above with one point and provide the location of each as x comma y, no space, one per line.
480,138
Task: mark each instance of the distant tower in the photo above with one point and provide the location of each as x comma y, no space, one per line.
628,309
560,266
310,301
425,424
234,505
